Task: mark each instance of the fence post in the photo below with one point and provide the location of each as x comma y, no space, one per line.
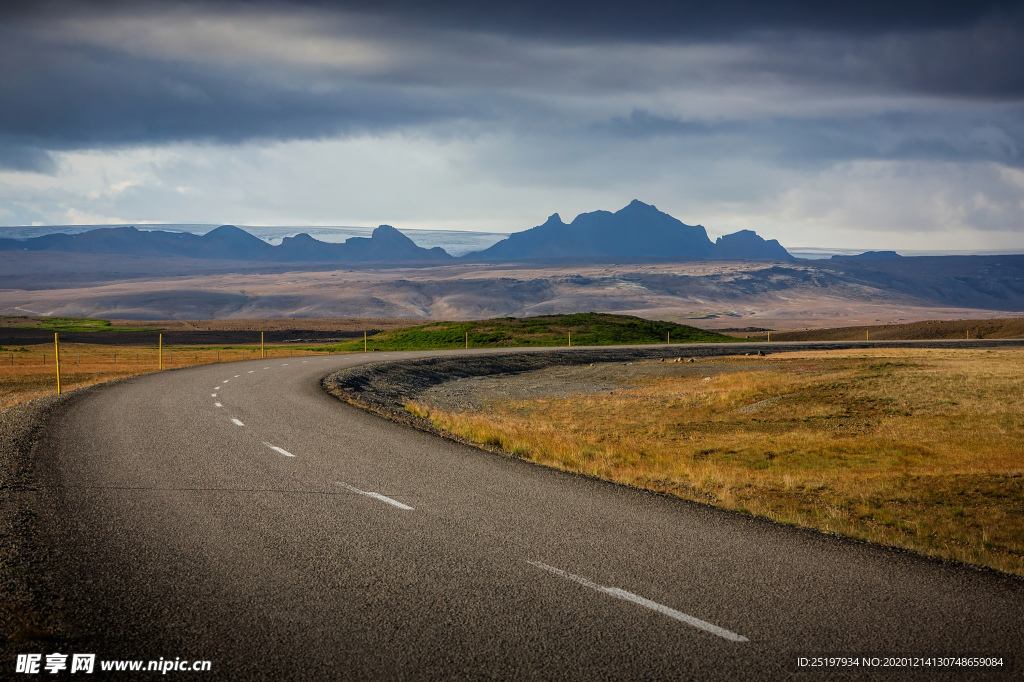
263,351
56,357
160,359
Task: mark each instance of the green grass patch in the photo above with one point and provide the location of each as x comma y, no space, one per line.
586,329
73,324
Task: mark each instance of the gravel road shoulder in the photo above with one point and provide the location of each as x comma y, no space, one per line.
27,597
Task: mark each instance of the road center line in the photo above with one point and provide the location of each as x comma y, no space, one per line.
218,405
213,395
237,422
376,496
217,388
278,450
646,603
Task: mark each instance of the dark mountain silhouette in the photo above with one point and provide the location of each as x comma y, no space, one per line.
385,244
870,254
637,231
747,245
228,242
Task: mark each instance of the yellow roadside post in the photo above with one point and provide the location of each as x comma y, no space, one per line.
160,361
467,340
867,336
364,340
769,337
263,351
56,356
570,339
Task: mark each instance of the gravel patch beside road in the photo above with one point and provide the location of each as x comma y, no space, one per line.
470,394
464,381
27,599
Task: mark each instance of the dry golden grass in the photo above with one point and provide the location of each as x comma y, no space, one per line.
922,449
29,372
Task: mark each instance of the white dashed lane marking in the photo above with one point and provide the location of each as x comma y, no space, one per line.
646,603
213,395
218,405
237,422
278,450
376,496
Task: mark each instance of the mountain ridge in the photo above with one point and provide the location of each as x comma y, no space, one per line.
638,230
386,244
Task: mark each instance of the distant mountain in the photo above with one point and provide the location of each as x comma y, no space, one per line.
747,245
871,254
637,231
228,242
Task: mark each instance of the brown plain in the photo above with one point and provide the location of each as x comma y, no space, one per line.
31,373
919,449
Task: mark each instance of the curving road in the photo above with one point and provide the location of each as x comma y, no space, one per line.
237,513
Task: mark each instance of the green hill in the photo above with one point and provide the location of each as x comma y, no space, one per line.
586,329
66,324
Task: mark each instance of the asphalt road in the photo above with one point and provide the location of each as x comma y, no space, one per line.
237,513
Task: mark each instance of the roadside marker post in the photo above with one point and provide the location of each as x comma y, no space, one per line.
263,350
570,339
160,361
668,340
56,357
364,340
467,340
769,337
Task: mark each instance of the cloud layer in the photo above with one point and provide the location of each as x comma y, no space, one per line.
537,106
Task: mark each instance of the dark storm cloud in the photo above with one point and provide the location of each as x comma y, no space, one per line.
102,74
640,20
939,136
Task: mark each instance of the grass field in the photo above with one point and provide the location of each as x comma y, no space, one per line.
921,449
585,329
29,372
66,324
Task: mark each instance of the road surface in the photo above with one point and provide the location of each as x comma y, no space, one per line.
237,513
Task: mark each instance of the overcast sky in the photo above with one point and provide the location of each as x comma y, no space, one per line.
865,126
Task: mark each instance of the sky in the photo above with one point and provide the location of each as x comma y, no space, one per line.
874,125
